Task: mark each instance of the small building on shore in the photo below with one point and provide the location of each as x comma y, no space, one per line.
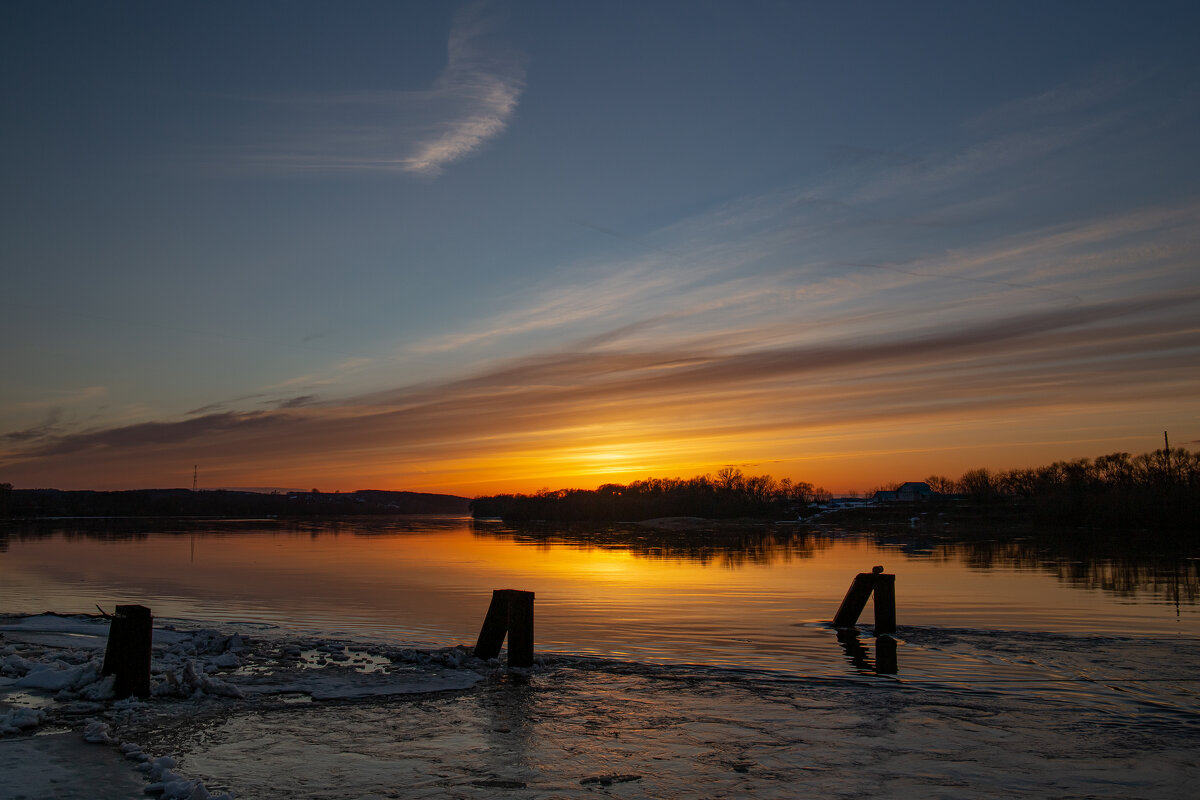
910,492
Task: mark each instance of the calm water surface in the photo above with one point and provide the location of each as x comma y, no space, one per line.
756,600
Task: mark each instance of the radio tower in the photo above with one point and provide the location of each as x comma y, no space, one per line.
194,468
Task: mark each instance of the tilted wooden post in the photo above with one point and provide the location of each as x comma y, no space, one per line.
495,625
511,614
855,600
130,638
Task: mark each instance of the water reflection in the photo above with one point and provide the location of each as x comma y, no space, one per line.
1119,565
508,733
725,596
127,529
730,547
885,661
1123,566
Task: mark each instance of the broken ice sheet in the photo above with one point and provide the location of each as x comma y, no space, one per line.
584,727
576,727
344,683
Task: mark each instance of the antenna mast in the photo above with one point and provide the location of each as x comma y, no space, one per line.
195,467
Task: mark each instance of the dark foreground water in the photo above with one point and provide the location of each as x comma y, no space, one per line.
677,665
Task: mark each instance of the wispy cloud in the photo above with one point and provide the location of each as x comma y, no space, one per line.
60,399
299,401
49,427
417,132
767,270
1074,96
572,303
1006,150
482,87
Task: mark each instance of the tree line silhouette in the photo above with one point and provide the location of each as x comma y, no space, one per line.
1155,489
729,494
33,503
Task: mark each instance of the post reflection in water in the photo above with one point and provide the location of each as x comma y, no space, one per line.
885,661
507,713
885,656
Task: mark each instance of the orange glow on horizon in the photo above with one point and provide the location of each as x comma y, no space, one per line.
852,457
845,461
835,470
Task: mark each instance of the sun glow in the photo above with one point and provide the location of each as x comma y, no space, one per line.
607,461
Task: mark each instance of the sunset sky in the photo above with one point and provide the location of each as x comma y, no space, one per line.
498,246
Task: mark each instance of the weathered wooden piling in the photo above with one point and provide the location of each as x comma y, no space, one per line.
520,629
864,584
855,600
885,604
127,655
511,614
495,626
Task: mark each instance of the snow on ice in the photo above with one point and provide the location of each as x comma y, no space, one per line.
54,662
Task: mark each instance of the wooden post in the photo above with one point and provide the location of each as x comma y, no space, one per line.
855,600
495,625
130,638
885,604
511,614
520,629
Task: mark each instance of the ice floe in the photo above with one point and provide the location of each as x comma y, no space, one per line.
21,719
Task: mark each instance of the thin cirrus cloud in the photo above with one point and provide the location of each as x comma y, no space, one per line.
1051,132
417,132
482,88
719,284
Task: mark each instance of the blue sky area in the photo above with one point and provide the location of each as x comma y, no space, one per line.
473,247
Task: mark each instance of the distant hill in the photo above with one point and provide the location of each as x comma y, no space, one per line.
224,503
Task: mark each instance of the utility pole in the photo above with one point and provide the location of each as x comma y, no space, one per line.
1167,455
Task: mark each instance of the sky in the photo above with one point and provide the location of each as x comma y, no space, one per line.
502,246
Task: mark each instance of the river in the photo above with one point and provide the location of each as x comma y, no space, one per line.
1013,647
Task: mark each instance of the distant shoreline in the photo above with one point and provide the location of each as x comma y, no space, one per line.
221,504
